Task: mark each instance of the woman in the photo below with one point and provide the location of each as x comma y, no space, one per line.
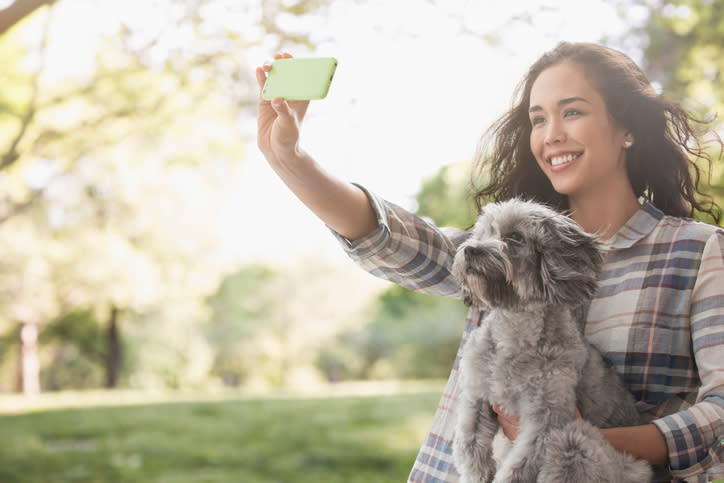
590,136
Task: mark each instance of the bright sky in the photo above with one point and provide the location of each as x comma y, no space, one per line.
414,90
412,93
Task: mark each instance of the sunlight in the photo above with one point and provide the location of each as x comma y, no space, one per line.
405,78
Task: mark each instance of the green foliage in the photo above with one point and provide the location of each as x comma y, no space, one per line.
268,325
76,347
351,439
16,91
242,296
79,328
447,197
238,311
410,335
7,341
685,53
117,172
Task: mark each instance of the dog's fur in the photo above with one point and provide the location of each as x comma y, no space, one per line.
527,267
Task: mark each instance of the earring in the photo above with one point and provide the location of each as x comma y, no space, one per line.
627,144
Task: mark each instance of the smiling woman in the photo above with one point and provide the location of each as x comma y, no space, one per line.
577,144
589,136
651,137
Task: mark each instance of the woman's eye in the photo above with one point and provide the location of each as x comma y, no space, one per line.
537,120
572,112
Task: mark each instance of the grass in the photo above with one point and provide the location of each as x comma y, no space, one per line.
348,437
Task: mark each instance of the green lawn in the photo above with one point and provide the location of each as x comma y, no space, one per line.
351,438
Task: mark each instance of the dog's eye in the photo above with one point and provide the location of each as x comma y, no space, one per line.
515,237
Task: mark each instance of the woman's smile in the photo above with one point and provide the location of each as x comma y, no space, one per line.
561,160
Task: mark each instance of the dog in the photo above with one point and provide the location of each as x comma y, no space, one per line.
527,267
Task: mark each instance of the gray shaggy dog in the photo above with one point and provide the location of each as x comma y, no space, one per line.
527,267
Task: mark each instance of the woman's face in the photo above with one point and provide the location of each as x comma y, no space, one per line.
575,141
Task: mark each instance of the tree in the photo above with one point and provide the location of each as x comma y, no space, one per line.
99,165
684,54
269,324
18,10
78,352
447,197
408,336
239,309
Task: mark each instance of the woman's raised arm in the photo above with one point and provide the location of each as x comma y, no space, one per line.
340,205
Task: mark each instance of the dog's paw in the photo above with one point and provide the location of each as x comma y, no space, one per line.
515,474
475,466
474,462
506,477
579,452
486,478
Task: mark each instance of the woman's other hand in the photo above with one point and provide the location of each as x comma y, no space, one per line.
511,424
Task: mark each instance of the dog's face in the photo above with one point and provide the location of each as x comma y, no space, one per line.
521,252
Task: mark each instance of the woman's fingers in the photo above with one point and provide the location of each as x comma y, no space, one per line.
261,72
510,424
285,110
281,107
285,118
260,77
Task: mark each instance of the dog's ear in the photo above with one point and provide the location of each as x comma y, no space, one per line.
570,260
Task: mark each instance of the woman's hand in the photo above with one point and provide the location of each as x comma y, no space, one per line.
511,424
278,121
341,206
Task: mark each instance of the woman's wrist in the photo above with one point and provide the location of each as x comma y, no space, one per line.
301,173
342,206
645,442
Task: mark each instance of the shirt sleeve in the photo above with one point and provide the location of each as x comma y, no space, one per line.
408,250
695,436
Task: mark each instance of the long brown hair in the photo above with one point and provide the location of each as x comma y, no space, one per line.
662,164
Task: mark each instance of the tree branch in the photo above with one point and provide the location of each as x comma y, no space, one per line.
19,208
18,10
12,155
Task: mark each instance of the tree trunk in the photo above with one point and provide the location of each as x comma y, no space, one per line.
28,362
115,359
18,10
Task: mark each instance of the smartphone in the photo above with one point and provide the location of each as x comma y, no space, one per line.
299,78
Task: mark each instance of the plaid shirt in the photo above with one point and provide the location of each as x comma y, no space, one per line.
658,316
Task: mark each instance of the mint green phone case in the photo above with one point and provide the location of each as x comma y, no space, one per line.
299,79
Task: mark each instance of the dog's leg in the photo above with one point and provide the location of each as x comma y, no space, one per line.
538,418
512,466
579,452
472,445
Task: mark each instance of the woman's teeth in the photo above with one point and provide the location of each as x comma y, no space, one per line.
566,158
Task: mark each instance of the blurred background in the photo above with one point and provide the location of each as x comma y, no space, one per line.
168,311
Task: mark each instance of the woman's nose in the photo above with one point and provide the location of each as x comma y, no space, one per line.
555,133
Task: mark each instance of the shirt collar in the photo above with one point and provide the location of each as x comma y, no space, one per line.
636,228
